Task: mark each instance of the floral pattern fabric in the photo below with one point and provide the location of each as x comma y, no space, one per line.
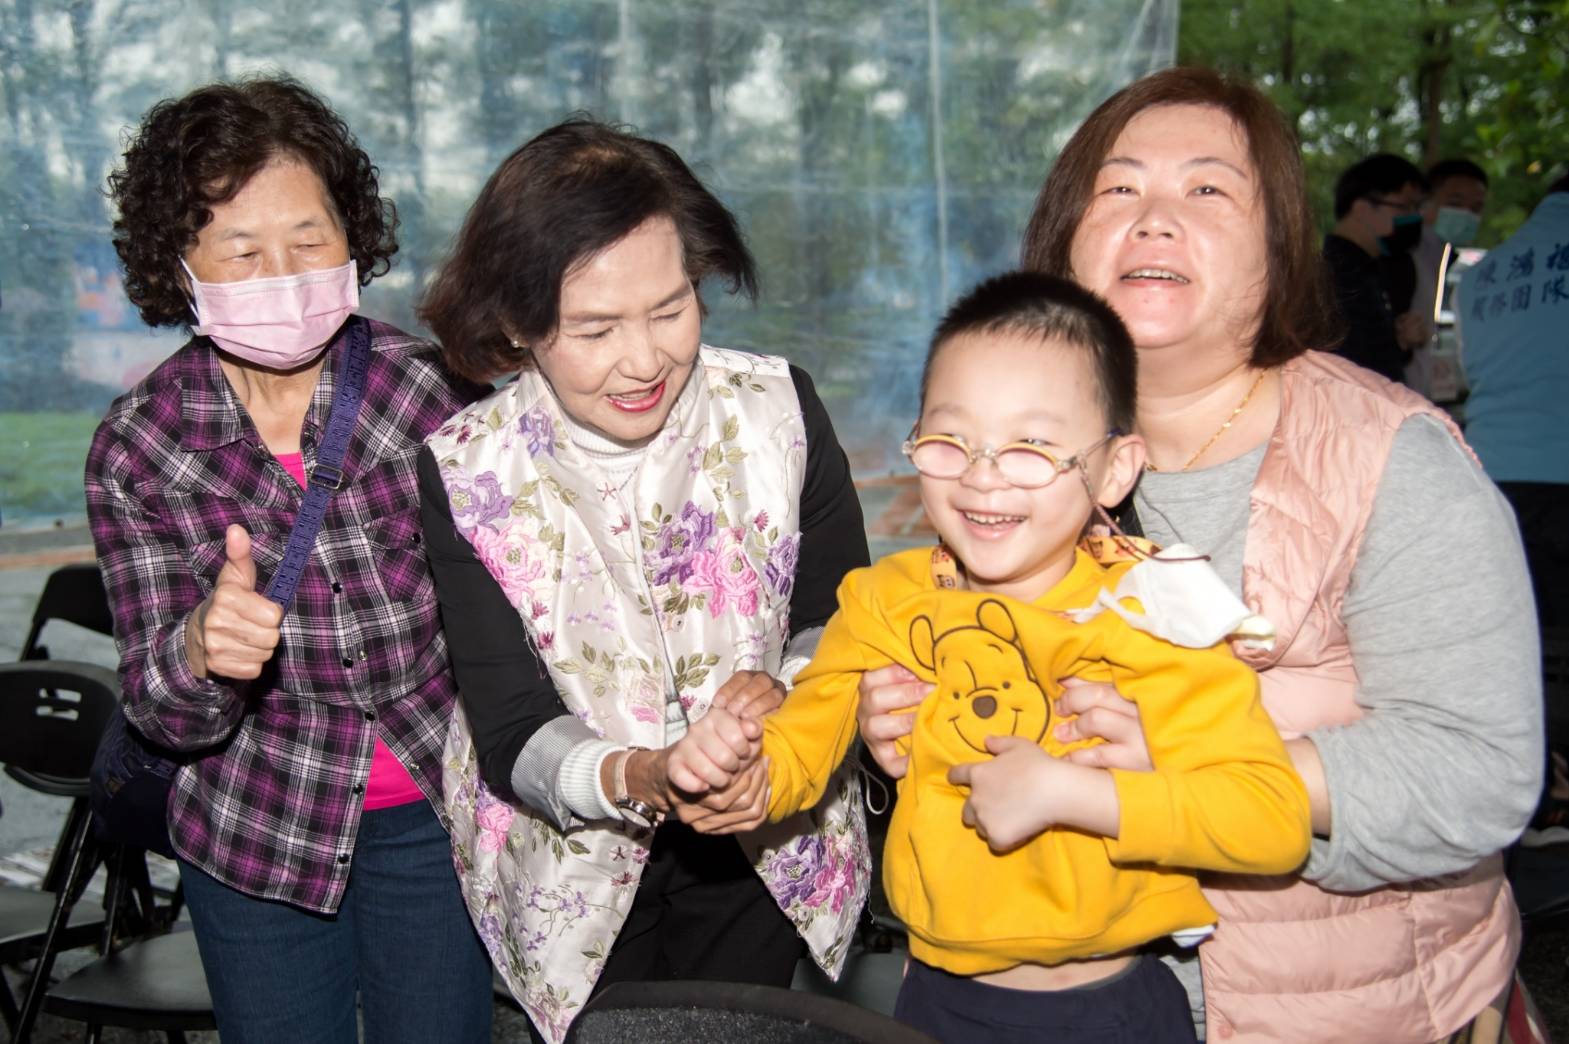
668,585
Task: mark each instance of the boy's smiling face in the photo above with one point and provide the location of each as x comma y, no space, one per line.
990,389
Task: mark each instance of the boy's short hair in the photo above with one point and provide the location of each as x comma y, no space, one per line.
1052,309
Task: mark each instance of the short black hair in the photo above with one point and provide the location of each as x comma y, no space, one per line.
561,198
196,152
1561,185
1052,309
1375,176
1443,170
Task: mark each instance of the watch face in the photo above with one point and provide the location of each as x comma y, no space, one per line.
636,813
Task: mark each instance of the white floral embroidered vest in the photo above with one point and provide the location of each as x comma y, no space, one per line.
669,584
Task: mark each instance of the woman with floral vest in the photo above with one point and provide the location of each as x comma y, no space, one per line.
635,529
1349,512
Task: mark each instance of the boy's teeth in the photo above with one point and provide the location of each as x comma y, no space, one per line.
991,520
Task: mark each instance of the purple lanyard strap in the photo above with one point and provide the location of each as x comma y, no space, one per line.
327,476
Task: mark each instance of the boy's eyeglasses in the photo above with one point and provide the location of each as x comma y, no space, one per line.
1021,464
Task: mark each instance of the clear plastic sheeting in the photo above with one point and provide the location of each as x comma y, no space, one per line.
882,157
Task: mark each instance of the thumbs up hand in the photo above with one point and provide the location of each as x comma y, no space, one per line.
235,630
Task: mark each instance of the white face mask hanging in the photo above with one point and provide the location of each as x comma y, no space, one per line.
1184,601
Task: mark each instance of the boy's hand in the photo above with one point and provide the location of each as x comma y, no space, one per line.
750,694
1011,796
715,749
1023,790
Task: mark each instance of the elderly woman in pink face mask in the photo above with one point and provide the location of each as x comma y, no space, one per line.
308,728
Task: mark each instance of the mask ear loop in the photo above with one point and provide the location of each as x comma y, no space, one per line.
190,291
1123,541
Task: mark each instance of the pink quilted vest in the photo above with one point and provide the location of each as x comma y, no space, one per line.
1290,961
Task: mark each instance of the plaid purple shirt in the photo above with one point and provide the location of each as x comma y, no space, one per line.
273,809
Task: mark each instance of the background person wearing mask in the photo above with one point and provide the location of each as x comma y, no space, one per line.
1457,194
1377,213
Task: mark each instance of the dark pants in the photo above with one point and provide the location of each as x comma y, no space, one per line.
701,912
401,940
1143,1004
1542,511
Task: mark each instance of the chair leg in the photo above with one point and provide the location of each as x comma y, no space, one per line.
8,1009
176,903
175,1036
54,877
117,891
141,884
80,867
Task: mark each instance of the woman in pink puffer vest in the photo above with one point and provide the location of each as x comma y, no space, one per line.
1349,512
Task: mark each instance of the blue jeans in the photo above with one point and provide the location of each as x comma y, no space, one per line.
401,940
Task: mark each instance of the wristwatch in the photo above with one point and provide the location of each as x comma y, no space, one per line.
639,814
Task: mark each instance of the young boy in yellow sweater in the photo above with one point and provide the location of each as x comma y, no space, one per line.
1028,882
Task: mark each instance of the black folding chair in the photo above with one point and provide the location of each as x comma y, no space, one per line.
51,716
154,983
74,594
684,1011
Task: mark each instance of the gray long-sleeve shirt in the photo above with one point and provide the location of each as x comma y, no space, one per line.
1445,766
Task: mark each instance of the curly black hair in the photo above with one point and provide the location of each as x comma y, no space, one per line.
192,153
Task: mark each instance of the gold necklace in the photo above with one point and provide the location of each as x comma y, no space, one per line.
1222,429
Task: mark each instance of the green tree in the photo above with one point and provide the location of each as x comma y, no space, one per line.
1430,79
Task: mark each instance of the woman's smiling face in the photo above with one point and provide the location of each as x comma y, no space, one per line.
628,334
1173,236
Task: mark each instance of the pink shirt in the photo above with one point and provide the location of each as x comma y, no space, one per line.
389,783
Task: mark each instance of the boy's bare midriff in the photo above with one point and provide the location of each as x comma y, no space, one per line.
1064,976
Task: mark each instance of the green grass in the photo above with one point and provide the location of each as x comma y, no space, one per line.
41,460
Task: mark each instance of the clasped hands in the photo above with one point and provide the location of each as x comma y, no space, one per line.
712,779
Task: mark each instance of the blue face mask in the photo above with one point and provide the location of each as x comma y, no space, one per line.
1405,237
1456,226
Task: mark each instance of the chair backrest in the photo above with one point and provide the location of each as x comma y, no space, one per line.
681,1012
52,713
75,594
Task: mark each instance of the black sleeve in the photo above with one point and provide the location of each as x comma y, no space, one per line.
833,535
502,685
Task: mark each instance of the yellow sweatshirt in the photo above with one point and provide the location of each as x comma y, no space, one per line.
1223,795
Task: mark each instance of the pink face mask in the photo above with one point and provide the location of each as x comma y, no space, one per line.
280,323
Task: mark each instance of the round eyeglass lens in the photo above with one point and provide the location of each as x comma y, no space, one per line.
1026,467
939,459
